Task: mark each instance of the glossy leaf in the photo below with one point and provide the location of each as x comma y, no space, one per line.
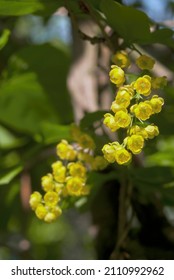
94,3
53,133
19,7
10,175
90,118
8,140
51,64
49,7
157,175
131,24
163,36
24,7
23,104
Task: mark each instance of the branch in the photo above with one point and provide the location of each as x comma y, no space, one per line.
95,18
92,40
124,204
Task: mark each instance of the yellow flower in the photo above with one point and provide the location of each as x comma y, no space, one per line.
51,198
129,89
59,171
66,151
122,156
109,121
143,85
145,62
117,75
135,143
122,119
156,103
47,182
123,98
41,211
159,82
99,163
133,107
35,200
86,141
152,131
137,130
57,211
143,111
53,214
58,187
109,151
115,107
77,169
121,59
56,165
83,139
49,217
74,186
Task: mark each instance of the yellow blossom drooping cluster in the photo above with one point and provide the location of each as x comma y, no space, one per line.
68,177
134,104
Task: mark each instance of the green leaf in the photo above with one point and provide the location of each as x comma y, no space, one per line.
164,156
161,158
53,133
9,159
149,180
10,175
8,140
49,7
163,36
14,190
19,7
131,24
75,7
24,7
23,104
94,3
98,179
51,64
90,118
4,38
156,175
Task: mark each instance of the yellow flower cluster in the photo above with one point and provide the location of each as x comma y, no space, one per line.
132,107
68,177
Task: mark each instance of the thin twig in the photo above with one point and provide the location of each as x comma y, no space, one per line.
92,40
95,18
124,204
121,215
133,47
125,232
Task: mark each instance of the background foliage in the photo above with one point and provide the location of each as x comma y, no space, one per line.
36,112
